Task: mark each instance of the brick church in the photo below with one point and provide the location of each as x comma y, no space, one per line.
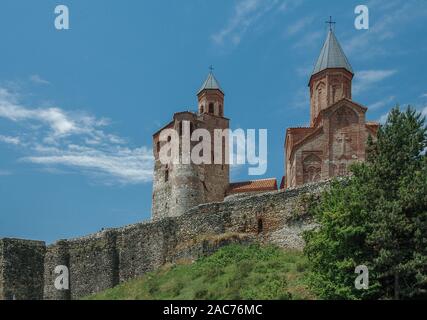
336,138
338,128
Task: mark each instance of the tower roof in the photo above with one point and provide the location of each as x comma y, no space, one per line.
211,83
332,55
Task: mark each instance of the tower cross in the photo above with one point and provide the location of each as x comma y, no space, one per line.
330,22
211,68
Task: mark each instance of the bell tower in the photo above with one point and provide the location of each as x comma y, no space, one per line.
331,78
211,97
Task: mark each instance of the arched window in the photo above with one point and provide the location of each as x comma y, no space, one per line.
319,99
220,111
158,146
166,175
320,91
211,108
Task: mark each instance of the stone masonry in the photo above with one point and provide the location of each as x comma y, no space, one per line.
179,187
108,258
338,129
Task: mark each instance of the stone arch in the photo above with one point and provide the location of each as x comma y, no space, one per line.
312,168
344,117
319,101
336,92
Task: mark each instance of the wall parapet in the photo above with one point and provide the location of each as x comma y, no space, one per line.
107,258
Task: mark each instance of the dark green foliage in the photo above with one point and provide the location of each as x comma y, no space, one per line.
377,218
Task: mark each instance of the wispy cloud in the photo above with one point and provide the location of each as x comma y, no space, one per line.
246,13
365,79
57,122
117,164
10,140
299,25
389,19
301,99
55,137
309,40
382,103
422,110
37,79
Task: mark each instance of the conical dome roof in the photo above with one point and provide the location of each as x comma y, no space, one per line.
332,55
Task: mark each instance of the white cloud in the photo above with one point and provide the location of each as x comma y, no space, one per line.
54,137
301,99
390,19
10,140
424,95
382,103
299,25
35,78
246,13
422,110
123,165
365,79
60,123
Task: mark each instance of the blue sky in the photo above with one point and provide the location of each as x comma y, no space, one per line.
78,107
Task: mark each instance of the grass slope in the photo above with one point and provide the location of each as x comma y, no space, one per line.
233,272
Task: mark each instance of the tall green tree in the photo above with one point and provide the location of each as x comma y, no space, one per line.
377,218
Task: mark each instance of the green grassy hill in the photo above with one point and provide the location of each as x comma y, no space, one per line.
233,272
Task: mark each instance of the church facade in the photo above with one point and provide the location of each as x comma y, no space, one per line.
335,139
338,129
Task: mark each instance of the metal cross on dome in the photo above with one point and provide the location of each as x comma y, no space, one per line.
330,22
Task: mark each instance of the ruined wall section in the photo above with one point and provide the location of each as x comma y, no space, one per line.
56,255
21,269
144,247
108,258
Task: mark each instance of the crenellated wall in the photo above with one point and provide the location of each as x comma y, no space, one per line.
105,259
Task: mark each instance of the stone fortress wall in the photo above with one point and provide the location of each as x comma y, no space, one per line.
110,257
